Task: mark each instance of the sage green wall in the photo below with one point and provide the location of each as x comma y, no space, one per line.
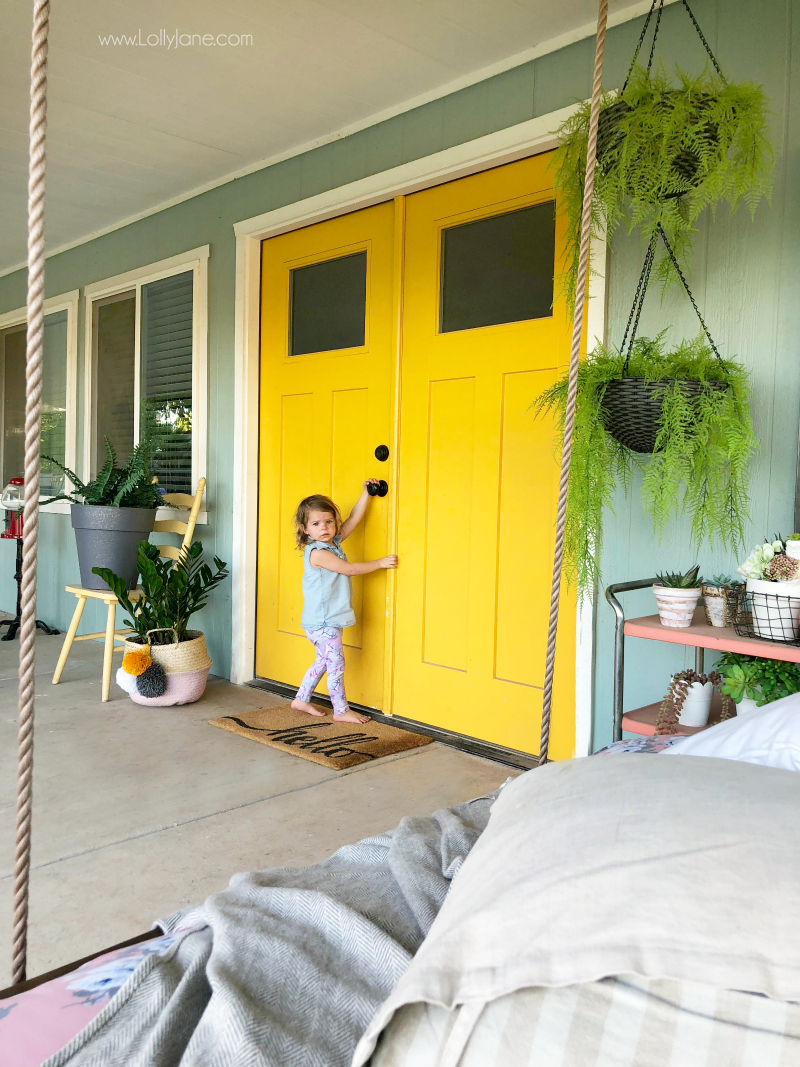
746,277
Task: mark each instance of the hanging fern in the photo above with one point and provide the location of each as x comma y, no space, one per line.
700,464
664,155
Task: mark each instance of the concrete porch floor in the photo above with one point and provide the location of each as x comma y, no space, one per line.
140,811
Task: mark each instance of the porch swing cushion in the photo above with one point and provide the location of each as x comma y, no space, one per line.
681,870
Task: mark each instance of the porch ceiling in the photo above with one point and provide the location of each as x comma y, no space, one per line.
132,127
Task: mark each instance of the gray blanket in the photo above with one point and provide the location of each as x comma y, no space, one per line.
286,966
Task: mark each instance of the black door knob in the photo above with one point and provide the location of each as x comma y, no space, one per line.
381,489
382,453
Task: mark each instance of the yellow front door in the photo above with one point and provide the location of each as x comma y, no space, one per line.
456,636
478,481
327,356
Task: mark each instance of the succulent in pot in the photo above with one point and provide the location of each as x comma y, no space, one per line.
773,591
677,596
753,681
722,597
112,513
688,701
166,663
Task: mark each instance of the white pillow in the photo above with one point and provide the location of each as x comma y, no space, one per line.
769,736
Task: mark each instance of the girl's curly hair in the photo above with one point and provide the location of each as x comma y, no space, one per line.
317,502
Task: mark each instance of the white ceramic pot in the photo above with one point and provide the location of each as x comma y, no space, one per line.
793,549
676,606
776,608
697,705
746,704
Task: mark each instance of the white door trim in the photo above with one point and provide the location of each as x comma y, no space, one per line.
505,146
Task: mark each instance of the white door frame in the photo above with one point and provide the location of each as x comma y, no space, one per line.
505,146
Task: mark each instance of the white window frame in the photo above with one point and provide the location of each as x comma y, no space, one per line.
65,302
195,260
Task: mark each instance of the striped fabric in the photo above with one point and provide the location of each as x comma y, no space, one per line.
616,1022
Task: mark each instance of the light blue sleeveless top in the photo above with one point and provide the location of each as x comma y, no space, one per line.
326,594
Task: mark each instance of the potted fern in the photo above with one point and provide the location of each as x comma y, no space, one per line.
165,662
700,452
665,153
112,513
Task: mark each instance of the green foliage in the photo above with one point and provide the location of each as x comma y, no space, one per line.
703,448
763,680
721,581
664,155
129,486
171,591
689,580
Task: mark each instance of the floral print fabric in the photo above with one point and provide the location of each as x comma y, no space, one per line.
38,1023
330,657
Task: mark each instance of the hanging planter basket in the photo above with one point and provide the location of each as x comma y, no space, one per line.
685,168
632,408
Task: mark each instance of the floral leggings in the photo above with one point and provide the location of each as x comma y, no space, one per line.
330,657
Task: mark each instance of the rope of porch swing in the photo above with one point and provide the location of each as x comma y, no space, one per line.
572,387
33,418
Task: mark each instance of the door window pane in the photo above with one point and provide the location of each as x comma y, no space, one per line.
114,328
54,402
167,378
498,269
328,305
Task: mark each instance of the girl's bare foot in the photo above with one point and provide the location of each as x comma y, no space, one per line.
309,709
350,716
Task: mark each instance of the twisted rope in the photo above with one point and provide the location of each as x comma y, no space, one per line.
572,389
33,413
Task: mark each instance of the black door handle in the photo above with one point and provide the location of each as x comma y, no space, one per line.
382,453
381,489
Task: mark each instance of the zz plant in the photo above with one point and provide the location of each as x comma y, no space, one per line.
700,463
128,486
665,154
171,591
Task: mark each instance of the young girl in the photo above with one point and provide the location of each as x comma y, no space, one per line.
326,591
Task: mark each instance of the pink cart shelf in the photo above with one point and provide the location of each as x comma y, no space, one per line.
699,636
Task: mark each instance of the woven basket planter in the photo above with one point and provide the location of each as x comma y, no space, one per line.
186,665
685,164
721,605
632,408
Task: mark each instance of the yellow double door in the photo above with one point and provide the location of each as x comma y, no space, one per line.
405,342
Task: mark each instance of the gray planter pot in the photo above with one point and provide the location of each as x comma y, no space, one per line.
109,537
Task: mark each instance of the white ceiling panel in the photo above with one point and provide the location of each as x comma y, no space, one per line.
133,127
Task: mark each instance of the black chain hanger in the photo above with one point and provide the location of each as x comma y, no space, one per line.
656,8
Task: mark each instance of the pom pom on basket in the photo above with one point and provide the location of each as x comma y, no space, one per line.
153,682
136,662
185,665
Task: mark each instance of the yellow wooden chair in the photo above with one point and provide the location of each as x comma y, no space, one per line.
110,635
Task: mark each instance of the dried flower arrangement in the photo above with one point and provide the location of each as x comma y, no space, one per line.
769,563
668,719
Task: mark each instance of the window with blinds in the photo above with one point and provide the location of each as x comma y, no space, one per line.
166,378
54,402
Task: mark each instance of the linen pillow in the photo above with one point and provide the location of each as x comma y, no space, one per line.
681,869
769,736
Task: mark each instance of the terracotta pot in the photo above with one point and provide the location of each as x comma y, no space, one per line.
676,606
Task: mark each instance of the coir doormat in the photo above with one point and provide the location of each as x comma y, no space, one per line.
333,744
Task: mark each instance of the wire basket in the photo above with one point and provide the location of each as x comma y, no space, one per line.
632,408
769,617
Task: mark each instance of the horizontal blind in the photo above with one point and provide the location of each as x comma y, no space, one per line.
167,378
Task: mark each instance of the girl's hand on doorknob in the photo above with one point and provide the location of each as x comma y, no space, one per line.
388,562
